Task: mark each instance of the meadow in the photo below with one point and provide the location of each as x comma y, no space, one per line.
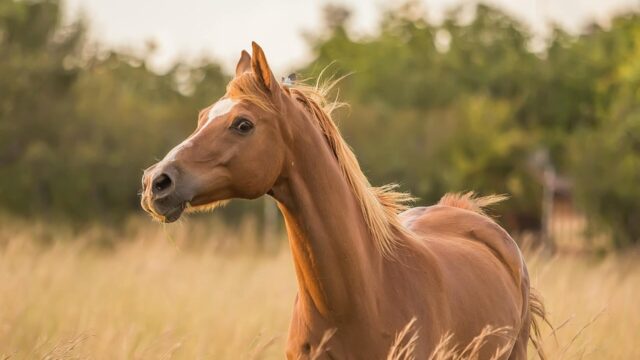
201,290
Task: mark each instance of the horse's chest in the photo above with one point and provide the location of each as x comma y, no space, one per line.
312,337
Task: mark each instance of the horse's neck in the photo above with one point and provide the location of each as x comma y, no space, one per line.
334,255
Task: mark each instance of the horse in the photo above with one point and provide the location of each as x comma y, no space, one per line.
366,265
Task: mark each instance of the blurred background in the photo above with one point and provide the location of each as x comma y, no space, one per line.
539,100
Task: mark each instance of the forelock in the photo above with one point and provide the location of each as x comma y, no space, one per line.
245,87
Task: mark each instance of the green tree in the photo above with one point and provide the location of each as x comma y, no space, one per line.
78,126
606,157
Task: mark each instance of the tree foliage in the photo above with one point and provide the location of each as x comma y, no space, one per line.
78,126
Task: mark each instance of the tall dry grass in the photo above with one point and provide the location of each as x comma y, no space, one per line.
202,291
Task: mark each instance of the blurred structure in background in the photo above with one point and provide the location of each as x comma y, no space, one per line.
460,105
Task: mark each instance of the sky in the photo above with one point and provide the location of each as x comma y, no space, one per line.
193,29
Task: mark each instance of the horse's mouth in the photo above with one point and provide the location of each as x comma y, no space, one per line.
173,214
168,216
165,213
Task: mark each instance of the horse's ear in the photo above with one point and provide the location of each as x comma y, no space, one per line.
244,64
261,69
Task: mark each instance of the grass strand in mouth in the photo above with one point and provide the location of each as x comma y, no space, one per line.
169,236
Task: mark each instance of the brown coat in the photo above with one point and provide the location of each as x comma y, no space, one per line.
364,268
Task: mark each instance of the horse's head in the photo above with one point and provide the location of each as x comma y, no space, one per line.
236,151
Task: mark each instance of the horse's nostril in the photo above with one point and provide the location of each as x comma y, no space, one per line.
161,183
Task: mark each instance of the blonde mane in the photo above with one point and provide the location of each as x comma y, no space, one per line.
380,205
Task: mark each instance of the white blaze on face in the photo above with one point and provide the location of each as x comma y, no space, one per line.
222,107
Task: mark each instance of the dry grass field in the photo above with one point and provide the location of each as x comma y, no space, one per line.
163,294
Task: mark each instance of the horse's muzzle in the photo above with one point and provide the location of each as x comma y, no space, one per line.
160,194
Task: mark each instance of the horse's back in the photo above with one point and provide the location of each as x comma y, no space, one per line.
441,223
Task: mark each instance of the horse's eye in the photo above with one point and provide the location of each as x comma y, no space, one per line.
242,125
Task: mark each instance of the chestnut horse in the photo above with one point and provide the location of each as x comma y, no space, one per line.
365,265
